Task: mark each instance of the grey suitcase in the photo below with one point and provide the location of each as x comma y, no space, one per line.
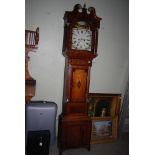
41,115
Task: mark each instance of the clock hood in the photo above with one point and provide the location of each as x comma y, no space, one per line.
80,13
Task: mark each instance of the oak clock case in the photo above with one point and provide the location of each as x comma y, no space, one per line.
79,48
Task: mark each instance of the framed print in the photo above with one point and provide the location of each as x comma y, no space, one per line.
104,111
104,130
103,105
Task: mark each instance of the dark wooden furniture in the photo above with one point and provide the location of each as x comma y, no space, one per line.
31,42
79,48
104,110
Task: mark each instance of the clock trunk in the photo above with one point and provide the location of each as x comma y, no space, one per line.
76,86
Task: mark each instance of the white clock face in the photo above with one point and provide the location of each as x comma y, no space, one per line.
81,39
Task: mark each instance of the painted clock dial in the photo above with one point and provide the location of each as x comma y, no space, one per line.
81,39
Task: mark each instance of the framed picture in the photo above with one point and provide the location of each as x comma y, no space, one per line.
104,111
104,130
103,105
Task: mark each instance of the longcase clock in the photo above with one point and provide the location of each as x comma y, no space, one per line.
79,48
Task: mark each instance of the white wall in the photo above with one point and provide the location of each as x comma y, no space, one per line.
109,71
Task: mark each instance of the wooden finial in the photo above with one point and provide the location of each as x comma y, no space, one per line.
84,6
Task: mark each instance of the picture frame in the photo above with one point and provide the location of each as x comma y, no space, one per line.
103,105
104,111
104,129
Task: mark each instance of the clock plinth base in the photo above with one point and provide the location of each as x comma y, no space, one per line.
76,132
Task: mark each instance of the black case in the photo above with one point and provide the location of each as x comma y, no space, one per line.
38,142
